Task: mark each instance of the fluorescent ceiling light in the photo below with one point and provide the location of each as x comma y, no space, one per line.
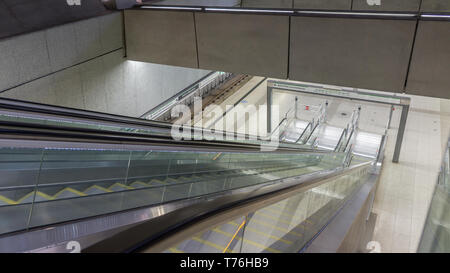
171,7
251,10
357,13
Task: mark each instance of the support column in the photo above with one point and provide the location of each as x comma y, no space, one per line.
269,107
400,133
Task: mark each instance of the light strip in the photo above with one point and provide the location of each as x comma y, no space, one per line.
171,8
357,13
435,16
251,10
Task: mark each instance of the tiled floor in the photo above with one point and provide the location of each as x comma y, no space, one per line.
406,188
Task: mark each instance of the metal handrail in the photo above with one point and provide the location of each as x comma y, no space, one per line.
304,131
339,144
312,132
129,125
186,95
352,133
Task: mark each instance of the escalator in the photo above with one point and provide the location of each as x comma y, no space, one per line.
62,169
273,218
105,180
285,226
294,129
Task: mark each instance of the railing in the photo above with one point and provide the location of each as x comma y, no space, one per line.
38,115
291,115
186,97
405,9
436,232
349,133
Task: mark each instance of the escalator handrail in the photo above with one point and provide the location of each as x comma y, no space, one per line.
44,133
160,233
304,131
352,132
117,120
339,144
178,96
312,131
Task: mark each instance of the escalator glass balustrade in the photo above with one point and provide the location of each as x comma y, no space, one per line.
436,232
286,226
44,186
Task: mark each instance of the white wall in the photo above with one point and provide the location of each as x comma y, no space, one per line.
81,65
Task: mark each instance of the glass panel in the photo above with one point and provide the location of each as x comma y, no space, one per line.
337,91
19,172
285,226
100,181
82,180
436,233
223,238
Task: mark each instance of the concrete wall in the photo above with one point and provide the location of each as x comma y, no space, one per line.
82,65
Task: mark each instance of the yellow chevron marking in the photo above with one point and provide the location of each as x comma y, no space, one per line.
25,197
277,228
120,185
7,200
171,180
158,181
46,196
215,157
263,247
184,178
234,236
70,190
98,187
175,250
140,183
208,243
263,233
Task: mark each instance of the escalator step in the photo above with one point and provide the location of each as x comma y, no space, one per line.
261,233
247,241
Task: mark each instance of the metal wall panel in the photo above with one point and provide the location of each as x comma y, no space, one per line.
435,5
430,65
323,4
287,4
19,17
164,37
243,43
364,53
391,5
